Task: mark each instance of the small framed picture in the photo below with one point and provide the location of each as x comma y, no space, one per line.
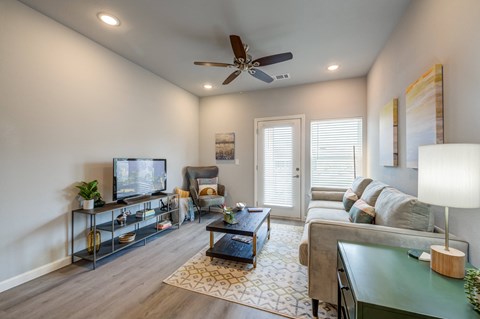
225,146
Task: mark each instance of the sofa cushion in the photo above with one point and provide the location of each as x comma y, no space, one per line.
349,198
361,212
372,191
359,185
327,195
396,209
327,214
325,204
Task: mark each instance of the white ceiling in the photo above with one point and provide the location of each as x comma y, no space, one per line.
166,36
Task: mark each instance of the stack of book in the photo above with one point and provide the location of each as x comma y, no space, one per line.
164,225
145,213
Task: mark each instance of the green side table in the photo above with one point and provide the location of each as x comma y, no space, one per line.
377,281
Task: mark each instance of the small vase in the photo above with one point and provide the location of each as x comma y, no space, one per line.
88,203
98,241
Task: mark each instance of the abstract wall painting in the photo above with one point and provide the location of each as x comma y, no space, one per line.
225,146
424,113
388,132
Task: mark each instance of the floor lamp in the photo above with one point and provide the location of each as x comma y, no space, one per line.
449,176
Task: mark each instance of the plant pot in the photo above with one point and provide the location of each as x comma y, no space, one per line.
88,204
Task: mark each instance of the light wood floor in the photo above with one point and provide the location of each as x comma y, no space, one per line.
126,285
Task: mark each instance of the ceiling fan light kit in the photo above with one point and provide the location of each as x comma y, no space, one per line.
243,62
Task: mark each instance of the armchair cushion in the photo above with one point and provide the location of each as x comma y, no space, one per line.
207,186
210,200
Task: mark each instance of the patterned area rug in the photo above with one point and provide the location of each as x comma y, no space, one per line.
278,284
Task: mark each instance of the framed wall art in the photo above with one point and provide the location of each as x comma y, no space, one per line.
388,133
424,113
225,146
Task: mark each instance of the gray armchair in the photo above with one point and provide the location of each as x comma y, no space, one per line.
193,173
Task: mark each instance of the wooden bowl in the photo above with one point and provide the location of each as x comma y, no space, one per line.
126,238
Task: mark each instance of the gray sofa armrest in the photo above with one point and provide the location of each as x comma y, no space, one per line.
327,193
322,249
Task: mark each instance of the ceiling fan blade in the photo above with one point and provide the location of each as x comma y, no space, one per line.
226,65
232,77
261,75
238,48
272,59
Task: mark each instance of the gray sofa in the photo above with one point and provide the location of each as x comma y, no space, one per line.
400,220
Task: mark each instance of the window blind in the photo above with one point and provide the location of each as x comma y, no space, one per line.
278,149
333,146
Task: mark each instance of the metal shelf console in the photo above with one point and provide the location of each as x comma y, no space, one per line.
113,245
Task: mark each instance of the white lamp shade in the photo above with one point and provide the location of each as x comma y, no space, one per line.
449,175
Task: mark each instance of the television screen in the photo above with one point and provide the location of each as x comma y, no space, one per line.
138,176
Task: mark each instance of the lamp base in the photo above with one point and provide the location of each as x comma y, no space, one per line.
450,263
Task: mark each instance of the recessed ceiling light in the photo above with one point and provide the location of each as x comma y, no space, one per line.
333,67
207,86
108,19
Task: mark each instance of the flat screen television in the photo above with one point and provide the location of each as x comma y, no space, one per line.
138,176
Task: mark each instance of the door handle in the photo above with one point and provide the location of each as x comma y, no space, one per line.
296,176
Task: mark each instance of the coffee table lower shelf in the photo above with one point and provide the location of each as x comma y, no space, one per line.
227,248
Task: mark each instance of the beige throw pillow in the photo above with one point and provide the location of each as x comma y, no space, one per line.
361,212
349,198
207,186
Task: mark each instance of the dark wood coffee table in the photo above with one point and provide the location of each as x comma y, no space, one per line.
249,224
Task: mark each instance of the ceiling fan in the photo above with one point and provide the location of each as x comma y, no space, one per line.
243,62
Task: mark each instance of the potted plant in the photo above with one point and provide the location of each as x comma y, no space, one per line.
229,215
89,192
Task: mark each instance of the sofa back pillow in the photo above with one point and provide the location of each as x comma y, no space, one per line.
349,198
372,191
359,185
396,209
361,212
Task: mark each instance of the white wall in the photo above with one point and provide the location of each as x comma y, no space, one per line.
236,113
431,31
67,107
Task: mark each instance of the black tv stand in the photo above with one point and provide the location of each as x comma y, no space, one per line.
145,228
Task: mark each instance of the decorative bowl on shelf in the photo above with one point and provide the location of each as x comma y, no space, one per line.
126,238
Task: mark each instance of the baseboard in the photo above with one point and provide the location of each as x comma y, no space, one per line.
34,273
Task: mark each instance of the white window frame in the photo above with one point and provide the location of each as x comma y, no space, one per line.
342,152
